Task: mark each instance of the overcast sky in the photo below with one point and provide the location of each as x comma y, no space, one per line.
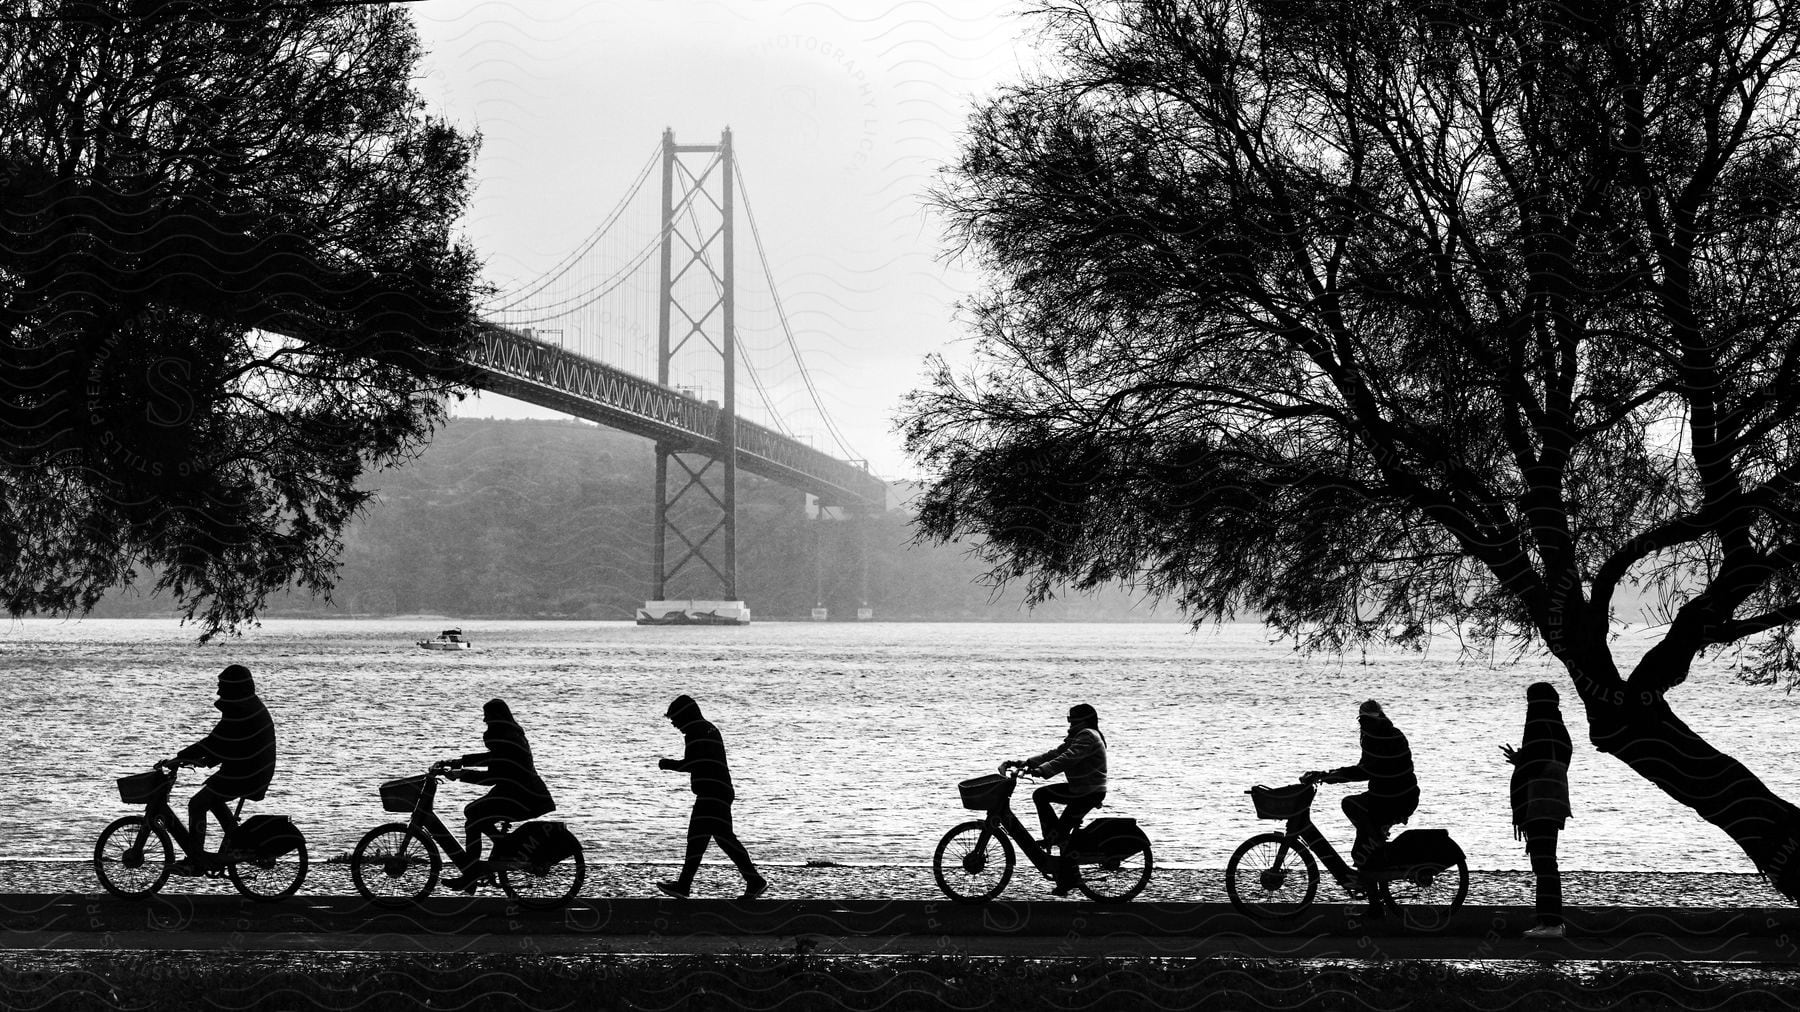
841,114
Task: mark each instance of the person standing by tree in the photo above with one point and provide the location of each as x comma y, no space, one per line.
1540,799
242,745
710,778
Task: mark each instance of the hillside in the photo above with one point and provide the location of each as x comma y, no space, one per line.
553,519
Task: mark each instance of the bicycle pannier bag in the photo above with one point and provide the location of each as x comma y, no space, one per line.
1419,848
537,843
1112,837
267,835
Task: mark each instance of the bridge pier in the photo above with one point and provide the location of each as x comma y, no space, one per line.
701,289
849,529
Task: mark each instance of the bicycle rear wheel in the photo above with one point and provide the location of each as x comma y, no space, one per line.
394,864
1427,895
543,885
268,877
969,870
1114,879
1266,883
130,869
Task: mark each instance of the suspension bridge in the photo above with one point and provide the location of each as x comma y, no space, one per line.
649,326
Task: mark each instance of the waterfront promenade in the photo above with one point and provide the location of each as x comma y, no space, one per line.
72,923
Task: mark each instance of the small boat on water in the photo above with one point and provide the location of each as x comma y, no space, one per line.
449,639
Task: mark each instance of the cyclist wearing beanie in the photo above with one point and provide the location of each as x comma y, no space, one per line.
241,744
1082,757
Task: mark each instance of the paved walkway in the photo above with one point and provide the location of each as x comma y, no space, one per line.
67,922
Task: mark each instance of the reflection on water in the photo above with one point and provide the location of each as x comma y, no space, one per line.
846,740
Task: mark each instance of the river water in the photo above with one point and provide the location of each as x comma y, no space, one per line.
846,740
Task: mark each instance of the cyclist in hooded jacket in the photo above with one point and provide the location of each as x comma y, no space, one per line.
515,791
1387,765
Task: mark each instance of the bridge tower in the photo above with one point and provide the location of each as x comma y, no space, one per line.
696,492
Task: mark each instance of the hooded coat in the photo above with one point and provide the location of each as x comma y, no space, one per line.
1387,765
242,743
704,758
1540,777
507,768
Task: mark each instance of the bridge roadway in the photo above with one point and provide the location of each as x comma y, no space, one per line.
1034,929
522,367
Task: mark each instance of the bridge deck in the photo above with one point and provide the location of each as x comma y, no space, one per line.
510,363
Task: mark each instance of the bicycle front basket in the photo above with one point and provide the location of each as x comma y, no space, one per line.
983,793
142,788
402,795
1282,802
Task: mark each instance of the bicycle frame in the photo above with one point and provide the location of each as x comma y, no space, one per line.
425,817
1001,819
1301,828
158,812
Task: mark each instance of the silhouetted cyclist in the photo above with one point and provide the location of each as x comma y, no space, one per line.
710,779
242,745
515,791
1081,757
1387,765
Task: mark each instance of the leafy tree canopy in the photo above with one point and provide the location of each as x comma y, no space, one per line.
228,285
1368,316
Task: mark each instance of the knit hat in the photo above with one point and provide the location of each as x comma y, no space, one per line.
235,682
1083,711
1540,692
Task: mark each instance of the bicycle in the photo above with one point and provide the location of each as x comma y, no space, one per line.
264,856
539,864
974,861
1274,876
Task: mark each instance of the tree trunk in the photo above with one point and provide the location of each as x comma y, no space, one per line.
1644,733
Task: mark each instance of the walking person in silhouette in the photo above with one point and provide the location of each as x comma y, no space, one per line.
1540,799
515,791
710,778
1081,756
242,745
1393,793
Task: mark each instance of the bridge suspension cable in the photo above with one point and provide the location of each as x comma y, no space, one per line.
748,365
561,269
786,329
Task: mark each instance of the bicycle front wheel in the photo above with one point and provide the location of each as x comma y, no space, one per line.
132,857
1271,877
973,863
1426,895
1114,879
394,864
543,885
269,877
